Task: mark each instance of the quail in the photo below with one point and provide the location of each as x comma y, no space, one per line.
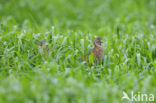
97,51
45,48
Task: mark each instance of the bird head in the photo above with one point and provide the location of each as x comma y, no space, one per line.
41,43
97,41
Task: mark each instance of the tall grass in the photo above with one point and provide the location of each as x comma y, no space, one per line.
128,30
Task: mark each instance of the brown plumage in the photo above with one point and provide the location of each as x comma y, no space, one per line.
97,51
45,49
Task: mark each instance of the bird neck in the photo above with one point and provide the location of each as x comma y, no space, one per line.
98,46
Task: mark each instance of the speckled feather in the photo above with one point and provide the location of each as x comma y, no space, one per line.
97,51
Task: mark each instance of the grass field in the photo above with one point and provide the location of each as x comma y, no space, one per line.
128,30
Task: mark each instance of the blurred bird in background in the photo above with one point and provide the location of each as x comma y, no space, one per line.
45,47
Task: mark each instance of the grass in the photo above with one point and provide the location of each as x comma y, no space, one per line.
128,30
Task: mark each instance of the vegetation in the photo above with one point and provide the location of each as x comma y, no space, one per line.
128,30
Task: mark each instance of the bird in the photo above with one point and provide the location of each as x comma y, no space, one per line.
45,48
97,51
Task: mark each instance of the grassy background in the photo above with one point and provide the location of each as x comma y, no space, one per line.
128,30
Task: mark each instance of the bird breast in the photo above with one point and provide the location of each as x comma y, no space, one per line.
98,52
